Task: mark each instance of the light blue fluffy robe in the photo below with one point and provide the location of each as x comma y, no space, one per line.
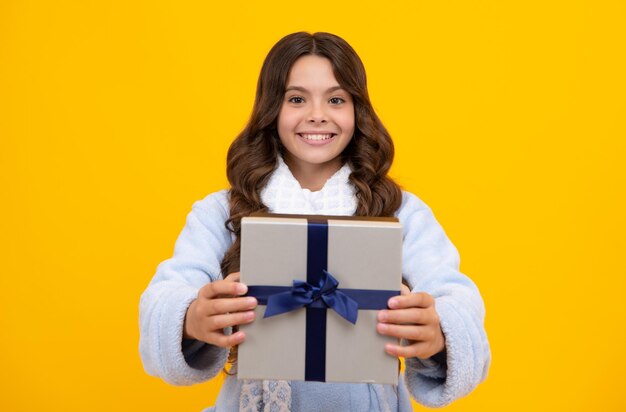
430,264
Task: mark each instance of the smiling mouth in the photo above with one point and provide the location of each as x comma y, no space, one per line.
317,137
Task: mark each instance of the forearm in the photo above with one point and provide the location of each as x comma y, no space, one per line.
164,304
431,265
161,340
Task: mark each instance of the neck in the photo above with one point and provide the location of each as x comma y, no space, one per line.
313,176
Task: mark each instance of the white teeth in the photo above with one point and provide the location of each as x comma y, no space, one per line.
316,136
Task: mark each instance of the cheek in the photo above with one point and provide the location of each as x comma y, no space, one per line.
348,123
286,122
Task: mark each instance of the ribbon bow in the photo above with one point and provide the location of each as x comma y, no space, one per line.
304,294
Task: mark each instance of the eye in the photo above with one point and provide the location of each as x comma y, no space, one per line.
296,99
336,100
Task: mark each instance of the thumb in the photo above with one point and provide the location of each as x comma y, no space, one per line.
233,277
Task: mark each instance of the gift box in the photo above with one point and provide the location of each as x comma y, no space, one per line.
320,282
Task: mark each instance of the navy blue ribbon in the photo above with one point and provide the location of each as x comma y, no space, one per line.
304,294
364,298
318,293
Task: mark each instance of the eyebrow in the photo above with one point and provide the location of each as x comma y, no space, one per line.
304,90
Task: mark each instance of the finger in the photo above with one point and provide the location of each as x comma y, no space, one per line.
225,341
412,300
219,322
404,289
411,316
422,350
223,288
226,305
233,277
409,332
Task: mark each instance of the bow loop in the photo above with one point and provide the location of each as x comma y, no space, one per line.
304,294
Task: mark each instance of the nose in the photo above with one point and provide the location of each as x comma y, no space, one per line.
317,114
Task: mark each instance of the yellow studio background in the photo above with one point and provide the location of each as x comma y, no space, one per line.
115,116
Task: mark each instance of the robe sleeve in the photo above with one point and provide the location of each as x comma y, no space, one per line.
431,264
196,261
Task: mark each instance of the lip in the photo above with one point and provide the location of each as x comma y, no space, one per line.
320,142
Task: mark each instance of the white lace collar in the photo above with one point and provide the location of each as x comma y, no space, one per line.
283,194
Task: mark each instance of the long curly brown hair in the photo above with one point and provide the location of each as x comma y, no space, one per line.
252,157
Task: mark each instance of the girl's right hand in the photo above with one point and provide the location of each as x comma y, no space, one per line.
219,305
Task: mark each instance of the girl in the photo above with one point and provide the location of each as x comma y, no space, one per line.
313,145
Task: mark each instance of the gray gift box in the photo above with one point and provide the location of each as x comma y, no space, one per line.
363,254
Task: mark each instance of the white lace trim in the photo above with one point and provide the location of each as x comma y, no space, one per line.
283,194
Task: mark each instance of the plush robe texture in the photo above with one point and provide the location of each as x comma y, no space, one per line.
430,264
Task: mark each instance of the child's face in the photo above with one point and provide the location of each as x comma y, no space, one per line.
316,120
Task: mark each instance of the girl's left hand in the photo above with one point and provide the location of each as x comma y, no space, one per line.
412,316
